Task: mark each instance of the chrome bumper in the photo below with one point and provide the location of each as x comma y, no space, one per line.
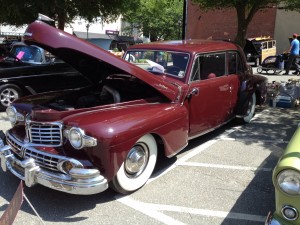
79,182
271,220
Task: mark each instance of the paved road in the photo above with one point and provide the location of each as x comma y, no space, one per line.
276,77
220,178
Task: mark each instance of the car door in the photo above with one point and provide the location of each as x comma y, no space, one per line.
235,70
209,93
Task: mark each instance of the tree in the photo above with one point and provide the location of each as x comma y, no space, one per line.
157,19
245,10
19,13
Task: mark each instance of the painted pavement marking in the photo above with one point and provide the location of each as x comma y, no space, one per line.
154,210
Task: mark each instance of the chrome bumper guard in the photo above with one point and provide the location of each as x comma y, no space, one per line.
271,220
79,182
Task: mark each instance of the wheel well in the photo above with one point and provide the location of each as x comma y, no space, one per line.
23,89
160,146
258,97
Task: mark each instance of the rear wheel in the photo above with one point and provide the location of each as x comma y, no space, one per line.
271,69
137,166
250,109
8,93
259,69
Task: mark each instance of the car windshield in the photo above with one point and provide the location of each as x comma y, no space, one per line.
171,63
30,54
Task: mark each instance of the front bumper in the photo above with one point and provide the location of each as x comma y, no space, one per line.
79,181
271,220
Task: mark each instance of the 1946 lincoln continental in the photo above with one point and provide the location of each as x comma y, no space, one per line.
150,103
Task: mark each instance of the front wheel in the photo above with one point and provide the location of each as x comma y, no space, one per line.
8,93
250,109
137,166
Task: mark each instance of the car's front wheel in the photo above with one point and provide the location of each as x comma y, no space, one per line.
8,93
137,166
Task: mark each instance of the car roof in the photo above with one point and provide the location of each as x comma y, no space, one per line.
190,46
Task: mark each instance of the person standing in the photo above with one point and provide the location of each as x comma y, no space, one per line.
294,56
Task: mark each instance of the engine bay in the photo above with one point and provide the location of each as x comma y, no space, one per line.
115,89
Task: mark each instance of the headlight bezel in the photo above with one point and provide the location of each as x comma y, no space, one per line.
15,117
85,140
287,183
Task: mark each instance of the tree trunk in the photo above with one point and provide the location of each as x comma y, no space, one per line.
242,26
243,21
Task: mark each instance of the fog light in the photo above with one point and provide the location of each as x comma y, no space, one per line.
66,165
289,213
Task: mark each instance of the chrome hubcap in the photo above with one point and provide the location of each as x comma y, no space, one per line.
136,160
7,96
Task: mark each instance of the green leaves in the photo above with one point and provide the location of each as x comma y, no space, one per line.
157,19
19,13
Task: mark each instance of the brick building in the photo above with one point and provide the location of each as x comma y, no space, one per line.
222,24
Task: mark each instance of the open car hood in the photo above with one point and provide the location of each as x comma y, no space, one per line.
93,62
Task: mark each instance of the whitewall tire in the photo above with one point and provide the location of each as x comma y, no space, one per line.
137,166
250,109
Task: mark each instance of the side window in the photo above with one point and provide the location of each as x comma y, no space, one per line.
270,44
234,63
212,65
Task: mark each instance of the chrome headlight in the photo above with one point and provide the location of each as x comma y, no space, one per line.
78,139
13,115
289,181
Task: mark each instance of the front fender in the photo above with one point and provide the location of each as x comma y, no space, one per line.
117,130
290,159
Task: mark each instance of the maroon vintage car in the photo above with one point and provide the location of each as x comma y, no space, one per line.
154,100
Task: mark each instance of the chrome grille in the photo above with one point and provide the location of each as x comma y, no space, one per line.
16,148
42,159
46,134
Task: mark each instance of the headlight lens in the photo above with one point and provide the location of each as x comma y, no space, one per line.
289,182
11,114
75,137
78,139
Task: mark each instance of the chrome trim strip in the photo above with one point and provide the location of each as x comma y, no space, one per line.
208,131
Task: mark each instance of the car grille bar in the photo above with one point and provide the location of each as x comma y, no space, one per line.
46,134
43,159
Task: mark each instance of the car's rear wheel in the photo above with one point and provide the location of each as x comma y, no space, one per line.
137,166
250,109
8,93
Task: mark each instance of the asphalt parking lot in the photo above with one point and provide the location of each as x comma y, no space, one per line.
223,177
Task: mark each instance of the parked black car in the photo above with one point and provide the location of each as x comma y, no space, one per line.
27,70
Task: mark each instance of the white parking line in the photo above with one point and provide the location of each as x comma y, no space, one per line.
152,210
193,152
207,165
